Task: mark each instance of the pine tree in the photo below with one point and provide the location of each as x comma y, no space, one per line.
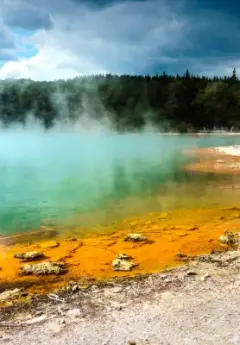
187,74
234,75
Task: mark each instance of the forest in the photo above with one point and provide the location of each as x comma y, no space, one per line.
184,103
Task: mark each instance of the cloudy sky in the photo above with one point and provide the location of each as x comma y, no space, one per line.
59,39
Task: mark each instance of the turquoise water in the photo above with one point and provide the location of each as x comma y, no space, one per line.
52,177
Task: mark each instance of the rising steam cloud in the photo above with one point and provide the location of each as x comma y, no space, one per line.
79,165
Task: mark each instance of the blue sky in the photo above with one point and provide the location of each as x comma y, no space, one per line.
59,39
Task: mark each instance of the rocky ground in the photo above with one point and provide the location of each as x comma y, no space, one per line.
198,303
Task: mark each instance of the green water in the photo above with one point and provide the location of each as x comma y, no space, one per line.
58,177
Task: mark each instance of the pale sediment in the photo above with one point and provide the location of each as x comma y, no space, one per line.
220,160
229,150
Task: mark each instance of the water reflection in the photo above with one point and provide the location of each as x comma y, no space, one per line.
65,177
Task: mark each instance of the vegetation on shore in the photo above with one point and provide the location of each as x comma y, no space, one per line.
185,103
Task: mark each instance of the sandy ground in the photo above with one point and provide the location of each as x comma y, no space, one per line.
197,304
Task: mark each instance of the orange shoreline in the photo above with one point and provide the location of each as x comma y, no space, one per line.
191,231
212,161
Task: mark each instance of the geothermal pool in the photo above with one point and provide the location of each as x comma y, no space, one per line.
68,178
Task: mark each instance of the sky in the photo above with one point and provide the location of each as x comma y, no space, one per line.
61,39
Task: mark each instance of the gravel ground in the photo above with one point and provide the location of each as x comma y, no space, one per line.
198,304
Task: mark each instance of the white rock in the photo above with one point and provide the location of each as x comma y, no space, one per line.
122,265
10,294
36,320
74,312
135,238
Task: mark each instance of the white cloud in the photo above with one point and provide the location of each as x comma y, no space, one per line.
48,64
220,68
124,37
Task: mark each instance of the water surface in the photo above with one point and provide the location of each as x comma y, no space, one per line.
66,178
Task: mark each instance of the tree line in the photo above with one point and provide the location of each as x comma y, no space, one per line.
184,103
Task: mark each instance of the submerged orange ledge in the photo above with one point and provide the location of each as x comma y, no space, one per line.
189,231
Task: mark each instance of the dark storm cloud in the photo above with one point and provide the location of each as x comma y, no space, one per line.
144,36
6,39
27,18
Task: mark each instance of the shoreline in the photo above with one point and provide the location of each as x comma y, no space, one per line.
233,150
190,231
197,230
195,297
219,160
204,133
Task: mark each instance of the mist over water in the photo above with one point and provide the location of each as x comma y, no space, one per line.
54,176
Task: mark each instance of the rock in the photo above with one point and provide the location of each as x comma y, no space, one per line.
111,244
29,256
182,256
135,238
123,256
44,268
205,277
191,273
221,259
112,292
132,342
37,319
116,305
75,288
72,286
71,239
122,265
193,228
224,247
74,313
38,313
10,294
49,244
229,238
117,289
224,239
220,161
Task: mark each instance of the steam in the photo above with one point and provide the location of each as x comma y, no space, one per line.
66,171
81,164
